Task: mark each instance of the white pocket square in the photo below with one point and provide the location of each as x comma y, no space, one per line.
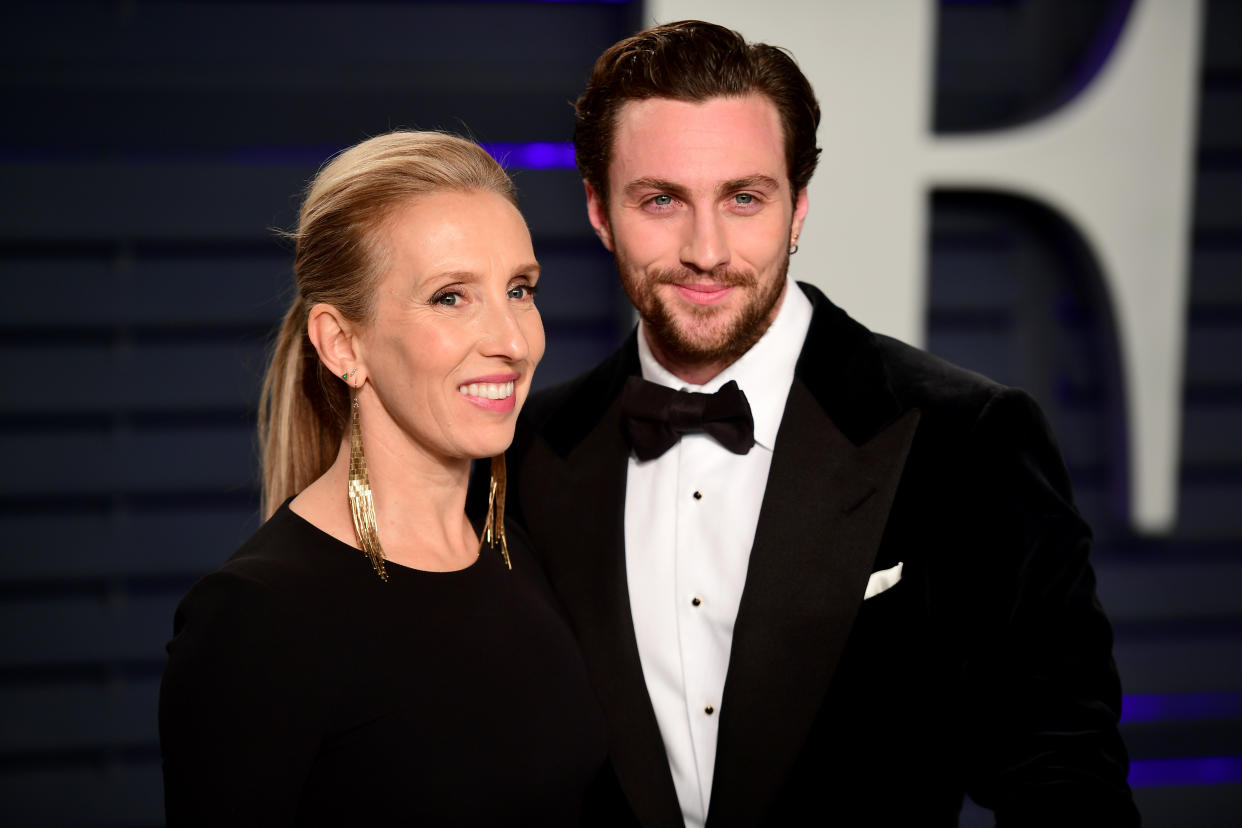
882,580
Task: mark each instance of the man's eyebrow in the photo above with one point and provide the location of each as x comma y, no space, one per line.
750,182
660,184
758,181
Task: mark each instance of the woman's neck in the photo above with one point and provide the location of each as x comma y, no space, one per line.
419,504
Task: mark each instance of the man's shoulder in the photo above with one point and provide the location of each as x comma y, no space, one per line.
581,401
865,379
923,380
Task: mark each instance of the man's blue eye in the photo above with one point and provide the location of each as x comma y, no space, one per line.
744,198
662,200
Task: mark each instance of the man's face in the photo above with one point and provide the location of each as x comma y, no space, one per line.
700,217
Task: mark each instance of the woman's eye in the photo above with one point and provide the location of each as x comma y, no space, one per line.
522,292
448,300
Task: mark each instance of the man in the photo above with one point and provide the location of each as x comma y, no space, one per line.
877,599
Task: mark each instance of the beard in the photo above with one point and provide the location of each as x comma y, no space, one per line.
703,334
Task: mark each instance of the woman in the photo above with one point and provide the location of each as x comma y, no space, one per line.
365,658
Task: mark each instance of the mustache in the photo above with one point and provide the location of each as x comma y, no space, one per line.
724,276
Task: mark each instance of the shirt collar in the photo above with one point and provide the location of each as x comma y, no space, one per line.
764,373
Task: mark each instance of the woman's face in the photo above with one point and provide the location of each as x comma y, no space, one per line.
455,335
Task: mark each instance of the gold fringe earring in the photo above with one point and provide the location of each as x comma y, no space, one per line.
495,526
361,503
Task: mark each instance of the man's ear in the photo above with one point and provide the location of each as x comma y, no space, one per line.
335,340
801,205
597,212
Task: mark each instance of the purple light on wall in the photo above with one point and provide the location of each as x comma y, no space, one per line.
1195,770
535,155
1180,707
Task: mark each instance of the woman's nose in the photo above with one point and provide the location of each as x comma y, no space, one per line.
503,335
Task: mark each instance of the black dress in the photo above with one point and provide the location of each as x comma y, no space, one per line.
302,690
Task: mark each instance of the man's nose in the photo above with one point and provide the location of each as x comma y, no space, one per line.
706,245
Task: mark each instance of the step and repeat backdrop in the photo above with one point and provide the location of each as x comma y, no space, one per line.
150,152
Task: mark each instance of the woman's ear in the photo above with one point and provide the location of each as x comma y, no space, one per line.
335,340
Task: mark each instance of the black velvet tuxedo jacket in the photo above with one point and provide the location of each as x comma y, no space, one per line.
987,669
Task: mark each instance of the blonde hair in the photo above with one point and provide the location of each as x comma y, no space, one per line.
339,259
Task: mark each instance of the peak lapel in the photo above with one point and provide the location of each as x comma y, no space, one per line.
823,516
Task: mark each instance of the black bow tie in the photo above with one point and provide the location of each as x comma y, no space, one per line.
655,417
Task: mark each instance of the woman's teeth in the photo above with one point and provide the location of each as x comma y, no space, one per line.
487,390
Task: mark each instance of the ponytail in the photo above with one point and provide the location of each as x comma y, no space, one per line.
301,415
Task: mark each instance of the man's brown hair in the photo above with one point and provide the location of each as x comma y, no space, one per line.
693,61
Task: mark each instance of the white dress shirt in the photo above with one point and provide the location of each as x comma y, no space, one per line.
690,518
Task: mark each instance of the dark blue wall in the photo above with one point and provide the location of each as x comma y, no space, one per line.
146,150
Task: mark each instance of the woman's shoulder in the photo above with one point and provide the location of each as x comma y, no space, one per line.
287,549
284,564
258,622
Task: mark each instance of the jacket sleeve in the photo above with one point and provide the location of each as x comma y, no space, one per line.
1044,746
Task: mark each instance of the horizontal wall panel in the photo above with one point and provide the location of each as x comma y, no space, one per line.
553,203
115,794
160,377
1220,129
139,81
121,288
1209,510
571,353
1217,278
1099,506
1144,591
1189,662
79,715
1218,193
1222,22
182,541
1212,355
277,122
578,284
210,199
202,200
316,34
989,353
146,460
195,287
1205,435
86,629
1182,738
1078,434
1190,806
972,280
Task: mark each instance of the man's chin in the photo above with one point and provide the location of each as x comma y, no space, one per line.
690,343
